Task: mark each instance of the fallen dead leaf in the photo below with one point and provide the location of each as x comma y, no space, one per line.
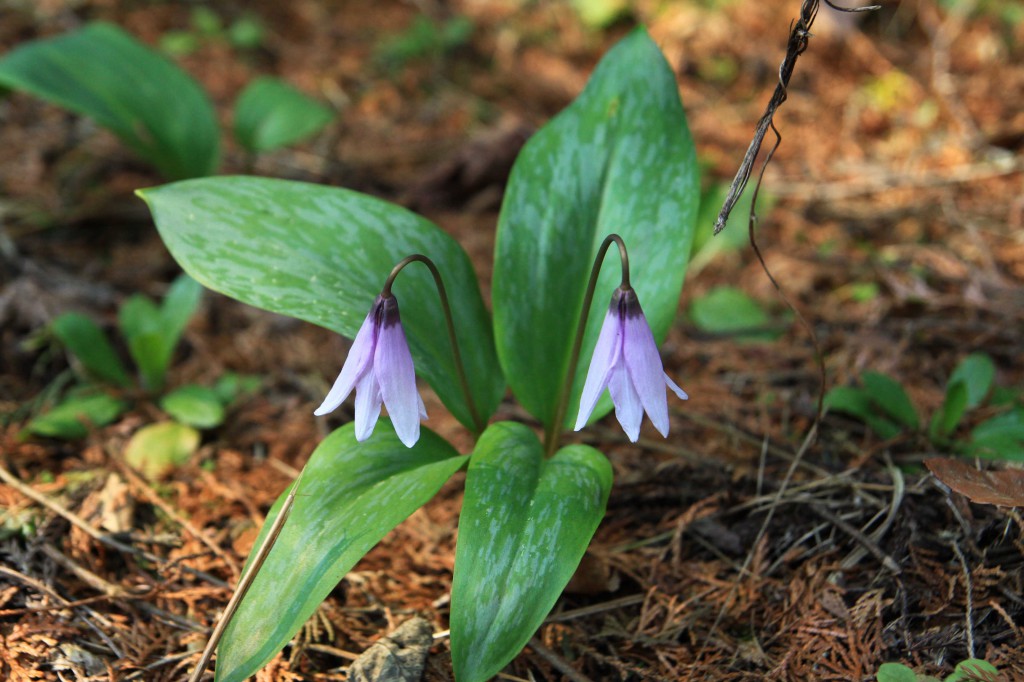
1004,488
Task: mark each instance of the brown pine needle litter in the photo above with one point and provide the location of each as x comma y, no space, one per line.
739,549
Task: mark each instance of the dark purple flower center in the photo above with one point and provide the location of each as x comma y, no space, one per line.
625,301
385,312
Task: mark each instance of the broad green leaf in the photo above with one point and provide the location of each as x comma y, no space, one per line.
73,416
973,670
158,449
525,524
350,496
896,672
322,254
889,395
976,371
727,310
196,406
945,421
89,344
618,159
270,114
153,332
146,100
1000,437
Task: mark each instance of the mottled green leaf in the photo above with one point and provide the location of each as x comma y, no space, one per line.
146,100
350,496
618,159
322,254
270,114
90,345
525,524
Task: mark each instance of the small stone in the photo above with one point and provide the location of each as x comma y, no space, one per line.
398,657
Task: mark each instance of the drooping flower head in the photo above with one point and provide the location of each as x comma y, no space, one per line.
380,369
626,362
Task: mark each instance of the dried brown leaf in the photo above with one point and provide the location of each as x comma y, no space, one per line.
1004,488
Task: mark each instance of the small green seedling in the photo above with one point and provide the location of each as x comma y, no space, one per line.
883,404
728,311
100,71
971,670
424,39
270,114
206,26
154,107
708,246
106,390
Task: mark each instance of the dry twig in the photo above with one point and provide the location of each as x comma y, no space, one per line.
799,36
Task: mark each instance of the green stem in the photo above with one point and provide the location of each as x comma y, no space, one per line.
555,428
460,369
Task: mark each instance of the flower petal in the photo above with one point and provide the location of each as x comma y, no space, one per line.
359,359
423,408
367,405
628,409
675,388
392,364
643,362
607,352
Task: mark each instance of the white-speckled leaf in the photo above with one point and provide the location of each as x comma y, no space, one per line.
619,159
525,524
351,495
322,254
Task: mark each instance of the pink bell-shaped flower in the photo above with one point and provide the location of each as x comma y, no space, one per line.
626,362
380,369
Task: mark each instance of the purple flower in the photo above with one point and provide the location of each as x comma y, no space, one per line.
379,367
626,361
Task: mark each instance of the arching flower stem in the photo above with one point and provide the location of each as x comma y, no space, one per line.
555,428
478,423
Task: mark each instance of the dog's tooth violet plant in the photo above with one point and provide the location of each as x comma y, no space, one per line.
619,159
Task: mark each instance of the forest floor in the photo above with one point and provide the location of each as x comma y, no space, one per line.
739,548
